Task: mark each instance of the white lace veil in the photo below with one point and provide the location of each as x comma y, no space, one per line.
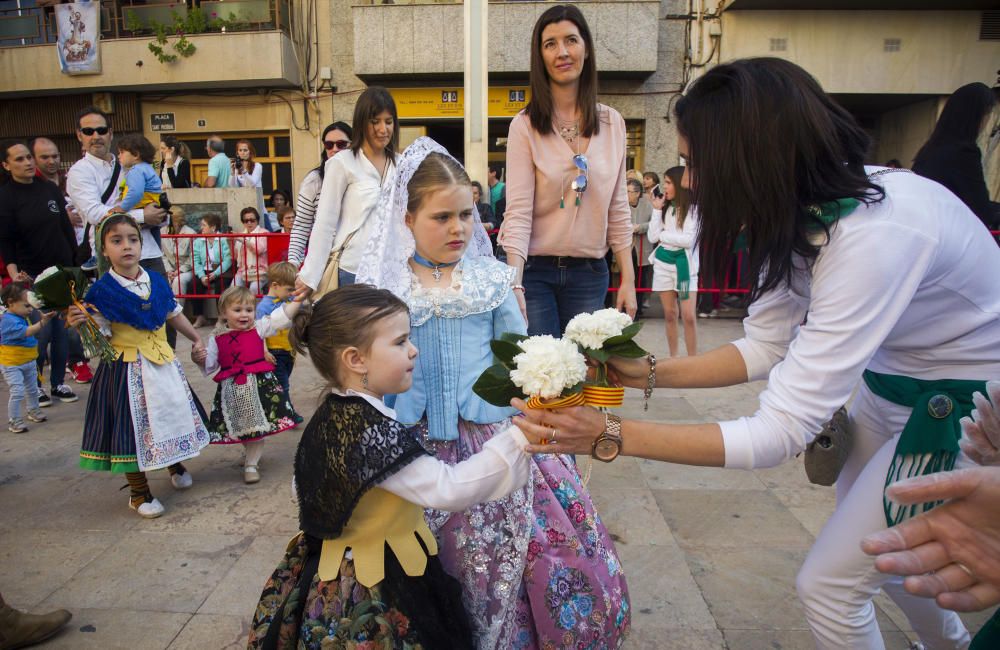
390,244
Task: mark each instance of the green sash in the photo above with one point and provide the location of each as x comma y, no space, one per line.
679,259
929,441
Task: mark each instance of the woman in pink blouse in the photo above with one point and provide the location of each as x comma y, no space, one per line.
566,200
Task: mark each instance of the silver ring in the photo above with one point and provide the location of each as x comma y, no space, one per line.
964,568
555,432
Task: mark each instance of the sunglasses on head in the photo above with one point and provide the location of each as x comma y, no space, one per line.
101,130
340,145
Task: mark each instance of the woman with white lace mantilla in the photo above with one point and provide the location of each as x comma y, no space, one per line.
537,568
867,280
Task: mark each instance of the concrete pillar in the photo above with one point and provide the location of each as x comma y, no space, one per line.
476,88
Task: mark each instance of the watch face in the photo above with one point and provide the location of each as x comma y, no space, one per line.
606,449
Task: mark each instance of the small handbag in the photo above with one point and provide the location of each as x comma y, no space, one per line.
331,274
827,453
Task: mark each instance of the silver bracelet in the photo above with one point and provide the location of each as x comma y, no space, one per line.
650,381
517,287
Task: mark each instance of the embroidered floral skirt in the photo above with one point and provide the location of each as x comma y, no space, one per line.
538,568
250,411
401,612
111,441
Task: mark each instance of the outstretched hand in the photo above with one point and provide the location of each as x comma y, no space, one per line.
568,431
950,553
981,433
302,290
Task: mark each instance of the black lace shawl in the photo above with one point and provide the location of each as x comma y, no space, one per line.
347,448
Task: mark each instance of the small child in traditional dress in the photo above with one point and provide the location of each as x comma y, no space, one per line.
364,570
280,285
250,402
141,414
18,352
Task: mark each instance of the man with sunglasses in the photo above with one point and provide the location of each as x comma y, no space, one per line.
92,185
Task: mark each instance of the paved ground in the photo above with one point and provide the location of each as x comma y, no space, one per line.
710,554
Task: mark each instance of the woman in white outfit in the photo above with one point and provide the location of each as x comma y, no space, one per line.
336,138
869,281
352,186
673,231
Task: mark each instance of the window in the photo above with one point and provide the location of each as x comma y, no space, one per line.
635,134
273,153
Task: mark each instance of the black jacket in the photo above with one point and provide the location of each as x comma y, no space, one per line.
959,167
182,177
35,231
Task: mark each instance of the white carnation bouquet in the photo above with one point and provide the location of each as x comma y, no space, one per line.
601,335
537,368
59,288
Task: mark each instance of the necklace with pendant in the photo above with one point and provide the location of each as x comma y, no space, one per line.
569,130
423,261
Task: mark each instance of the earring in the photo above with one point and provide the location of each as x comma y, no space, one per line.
364,379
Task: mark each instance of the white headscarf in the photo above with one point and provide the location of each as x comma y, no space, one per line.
385,262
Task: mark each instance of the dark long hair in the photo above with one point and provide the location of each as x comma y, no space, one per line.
765,144
373,101
682,197
540,110
336,126
961,119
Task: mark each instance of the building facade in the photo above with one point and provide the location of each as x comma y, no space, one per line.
277,71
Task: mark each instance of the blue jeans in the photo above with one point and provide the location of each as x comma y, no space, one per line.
54,339
557,289
23,382
283,368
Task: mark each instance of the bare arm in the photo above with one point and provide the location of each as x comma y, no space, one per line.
576,429
723,366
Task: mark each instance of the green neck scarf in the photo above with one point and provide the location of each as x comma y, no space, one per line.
929,441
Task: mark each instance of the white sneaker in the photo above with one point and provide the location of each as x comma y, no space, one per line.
181,481
150,509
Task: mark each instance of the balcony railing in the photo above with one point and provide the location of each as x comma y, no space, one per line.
131,18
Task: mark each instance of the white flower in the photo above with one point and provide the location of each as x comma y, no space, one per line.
548,366
52,270
590,331
34,300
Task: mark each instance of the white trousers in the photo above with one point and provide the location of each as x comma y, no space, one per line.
838,581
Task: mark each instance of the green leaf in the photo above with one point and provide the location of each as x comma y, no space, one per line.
513,337
627,334
628,349
601,356
495,386
505,351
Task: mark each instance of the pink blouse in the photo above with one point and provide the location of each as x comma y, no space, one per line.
540,170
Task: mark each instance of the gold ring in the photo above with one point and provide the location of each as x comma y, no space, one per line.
964,568
555,432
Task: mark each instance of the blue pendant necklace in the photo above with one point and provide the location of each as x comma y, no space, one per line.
423,261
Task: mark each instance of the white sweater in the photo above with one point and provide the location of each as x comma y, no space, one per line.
908,286
663,231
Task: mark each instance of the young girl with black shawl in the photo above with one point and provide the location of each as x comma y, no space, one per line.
365,566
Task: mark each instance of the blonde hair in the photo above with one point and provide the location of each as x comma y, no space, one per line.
282,273
436,171
233,295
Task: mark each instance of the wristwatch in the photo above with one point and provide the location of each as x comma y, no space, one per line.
609,444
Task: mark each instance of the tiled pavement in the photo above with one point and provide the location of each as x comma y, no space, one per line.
710,555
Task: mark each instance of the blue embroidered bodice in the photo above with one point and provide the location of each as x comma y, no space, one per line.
452,327
119,305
